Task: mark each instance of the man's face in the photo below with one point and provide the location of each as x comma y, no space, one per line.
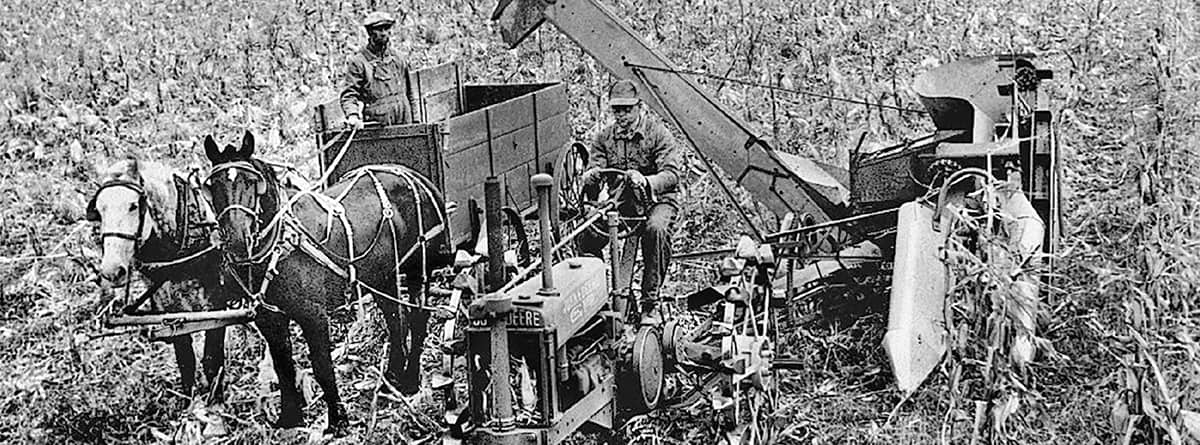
378,35
626,115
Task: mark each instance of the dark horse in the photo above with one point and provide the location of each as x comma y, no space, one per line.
300,253
154,218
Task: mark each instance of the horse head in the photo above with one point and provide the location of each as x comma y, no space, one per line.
244,195
122,207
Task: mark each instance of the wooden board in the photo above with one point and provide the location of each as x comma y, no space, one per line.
412,145
502,109
514,132
519,146
439,91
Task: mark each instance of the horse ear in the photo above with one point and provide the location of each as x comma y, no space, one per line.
247,149
212,150
92,214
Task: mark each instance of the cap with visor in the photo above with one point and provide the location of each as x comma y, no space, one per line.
379,19
623,93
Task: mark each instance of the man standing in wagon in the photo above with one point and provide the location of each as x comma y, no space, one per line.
639,143
375,86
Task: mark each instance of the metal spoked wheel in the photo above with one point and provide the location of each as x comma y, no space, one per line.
751,419
754,391
759,427
569,167
516,237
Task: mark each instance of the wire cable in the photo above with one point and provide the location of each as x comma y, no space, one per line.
778,88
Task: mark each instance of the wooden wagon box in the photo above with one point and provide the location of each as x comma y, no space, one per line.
467,133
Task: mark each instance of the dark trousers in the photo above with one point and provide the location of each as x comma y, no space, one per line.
656,246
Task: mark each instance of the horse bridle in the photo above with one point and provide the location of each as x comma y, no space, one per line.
136,187
93,214
259,191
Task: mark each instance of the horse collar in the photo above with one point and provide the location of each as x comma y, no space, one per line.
192,219
191,228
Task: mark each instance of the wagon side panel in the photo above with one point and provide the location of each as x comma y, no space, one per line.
413,145
513,140
439,91
554,130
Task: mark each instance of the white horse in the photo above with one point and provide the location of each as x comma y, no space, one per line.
157,220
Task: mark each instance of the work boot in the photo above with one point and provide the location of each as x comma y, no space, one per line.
649,310
632,309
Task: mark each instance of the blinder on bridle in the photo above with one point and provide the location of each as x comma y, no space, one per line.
260,188
93,214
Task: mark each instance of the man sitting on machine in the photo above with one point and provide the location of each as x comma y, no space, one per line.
638,143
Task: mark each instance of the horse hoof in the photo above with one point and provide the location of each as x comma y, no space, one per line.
405,387
289,422
215,429
409,389
338,429
420,397
339,423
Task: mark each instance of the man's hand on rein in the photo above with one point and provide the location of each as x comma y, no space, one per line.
354,122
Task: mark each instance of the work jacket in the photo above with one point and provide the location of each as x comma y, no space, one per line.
649,147
376,88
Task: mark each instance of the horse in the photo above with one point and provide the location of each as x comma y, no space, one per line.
155,218
376,229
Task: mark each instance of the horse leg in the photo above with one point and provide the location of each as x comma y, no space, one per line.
214,346
274,329
214,359
397,338
185,357
316,332
418,320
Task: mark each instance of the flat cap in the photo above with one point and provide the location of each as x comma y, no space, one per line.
378,18
623,93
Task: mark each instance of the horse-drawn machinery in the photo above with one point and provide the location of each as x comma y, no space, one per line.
547,354
575,355
990,170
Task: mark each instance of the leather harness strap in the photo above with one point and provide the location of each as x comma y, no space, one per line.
136,187
287,234
188,201
194,222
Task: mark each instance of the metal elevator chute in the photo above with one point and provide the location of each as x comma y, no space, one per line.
784,183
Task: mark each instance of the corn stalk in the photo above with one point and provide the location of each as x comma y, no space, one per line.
1158,318
993,303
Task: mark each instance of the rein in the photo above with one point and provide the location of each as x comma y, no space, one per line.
139,189
270,230
284,233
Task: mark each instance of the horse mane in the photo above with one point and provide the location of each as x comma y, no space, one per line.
157,181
